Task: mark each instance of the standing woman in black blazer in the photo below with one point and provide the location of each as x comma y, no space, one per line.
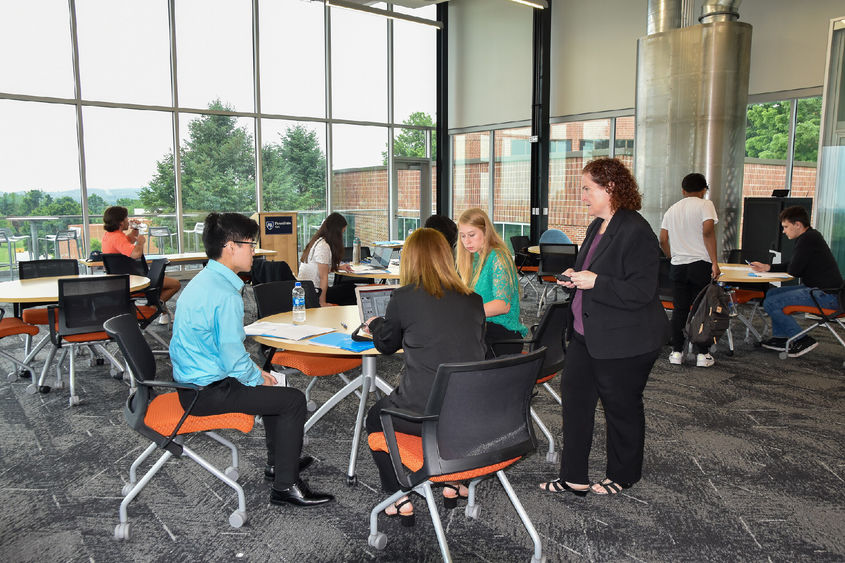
618,327
436,319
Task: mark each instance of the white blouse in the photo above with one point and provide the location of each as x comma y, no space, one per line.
320,253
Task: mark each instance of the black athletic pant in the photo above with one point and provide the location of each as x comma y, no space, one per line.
619,383
687,281
389,483
496,332
283,411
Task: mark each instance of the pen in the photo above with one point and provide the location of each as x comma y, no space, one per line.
748,262
343,324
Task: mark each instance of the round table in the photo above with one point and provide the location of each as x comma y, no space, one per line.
742,273
391,273
46,290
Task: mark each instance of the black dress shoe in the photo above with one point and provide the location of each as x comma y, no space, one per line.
299,494
304,463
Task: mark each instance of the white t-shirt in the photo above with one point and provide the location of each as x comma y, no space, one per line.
683,221
320,253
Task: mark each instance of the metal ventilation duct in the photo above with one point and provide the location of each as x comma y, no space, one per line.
663,15
692,91
720,11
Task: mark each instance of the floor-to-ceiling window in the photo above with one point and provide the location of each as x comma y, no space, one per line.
175,108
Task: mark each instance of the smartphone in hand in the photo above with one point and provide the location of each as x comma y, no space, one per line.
563,278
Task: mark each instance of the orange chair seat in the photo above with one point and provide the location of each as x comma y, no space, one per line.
13,325
316,365
35,316
164,412
144,312
86,337
529,269
788,310
411,453
549,279
668,305
746,295
545,378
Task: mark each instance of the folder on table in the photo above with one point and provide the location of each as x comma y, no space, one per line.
343,341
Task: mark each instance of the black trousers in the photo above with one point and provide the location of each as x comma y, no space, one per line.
496,332
283,411
619,383
687,281
389,483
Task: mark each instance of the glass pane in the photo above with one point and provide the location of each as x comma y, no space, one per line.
40,180
359,66
571,146
470,172
359,181
127,152
35,42
124,51
292,58
414,73
807,130
214,46
766,145
294,172
512,181
624,144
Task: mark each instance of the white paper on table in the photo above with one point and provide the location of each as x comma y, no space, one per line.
288,331
746,270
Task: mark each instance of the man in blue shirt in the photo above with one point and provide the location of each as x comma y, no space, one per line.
207,349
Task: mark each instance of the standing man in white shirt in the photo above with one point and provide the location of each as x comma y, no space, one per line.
688,237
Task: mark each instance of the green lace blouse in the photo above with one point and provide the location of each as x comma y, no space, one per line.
493,283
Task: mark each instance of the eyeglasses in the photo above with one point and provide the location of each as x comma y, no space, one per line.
252,244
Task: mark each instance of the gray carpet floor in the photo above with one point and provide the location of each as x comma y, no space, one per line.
743,462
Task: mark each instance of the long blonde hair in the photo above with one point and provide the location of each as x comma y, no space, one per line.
427,262
477,218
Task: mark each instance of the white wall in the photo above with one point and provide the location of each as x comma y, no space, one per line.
489,62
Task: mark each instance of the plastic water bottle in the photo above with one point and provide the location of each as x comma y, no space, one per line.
356,250
298,297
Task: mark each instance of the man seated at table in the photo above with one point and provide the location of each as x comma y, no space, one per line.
811,261
207,349
120,239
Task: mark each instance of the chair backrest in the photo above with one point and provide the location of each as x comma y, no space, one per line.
520,243
160,231
556,257
549,335
156,275
29,269
264,271
199,228
86,303
65,235
554,235
122,264
5,234
483,411
275,297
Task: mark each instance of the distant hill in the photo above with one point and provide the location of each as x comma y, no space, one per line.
111,196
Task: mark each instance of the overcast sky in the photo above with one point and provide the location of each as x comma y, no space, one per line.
124,57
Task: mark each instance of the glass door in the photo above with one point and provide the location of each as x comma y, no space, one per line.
410,195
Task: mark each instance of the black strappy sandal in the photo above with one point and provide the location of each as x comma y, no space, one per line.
610,487
558,486
407,520
452,502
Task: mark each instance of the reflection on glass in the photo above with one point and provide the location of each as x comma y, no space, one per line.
359,180
124,151
470,172
292,58
214,46
359,66
512,181
39,183
807,129
766,145
624,144
124,51
35,47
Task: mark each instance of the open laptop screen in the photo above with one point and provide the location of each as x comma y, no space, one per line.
373,299
381,256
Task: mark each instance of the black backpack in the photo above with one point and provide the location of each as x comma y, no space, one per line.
709,316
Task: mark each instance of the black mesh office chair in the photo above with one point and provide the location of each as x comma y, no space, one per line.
85,303
476,423
554,259
161,419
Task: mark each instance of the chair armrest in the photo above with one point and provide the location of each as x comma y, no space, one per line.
410,416
169,384
511,341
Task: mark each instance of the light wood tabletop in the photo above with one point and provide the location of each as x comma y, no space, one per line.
324,317
392,273
534,249
181,258
742,273
46,290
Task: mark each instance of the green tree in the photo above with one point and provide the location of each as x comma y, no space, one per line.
767,130
128,203
411,142
294,171
96,205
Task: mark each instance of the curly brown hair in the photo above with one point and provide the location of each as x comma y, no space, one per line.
612,174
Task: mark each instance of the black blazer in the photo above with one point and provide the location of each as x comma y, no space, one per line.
431,331
622,314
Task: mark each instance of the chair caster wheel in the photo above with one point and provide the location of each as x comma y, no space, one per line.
472,511
351,480
783,355
99,361
232,473
311,406
31,388
43,389
729,353
24,374
12,377
116,374
73,401
237,519
377,540
553,457
121,531
127,488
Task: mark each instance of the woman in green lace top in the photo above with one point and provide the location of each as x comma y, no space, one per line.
486,266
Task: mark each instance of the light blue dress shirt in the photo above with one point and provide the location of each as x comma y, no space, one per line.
208,331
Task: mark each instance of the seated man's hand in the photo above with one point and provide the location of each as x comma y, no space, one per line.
760,267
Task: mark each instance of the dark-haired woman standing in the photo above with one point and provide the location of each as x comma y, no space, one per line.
322,255
618,327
